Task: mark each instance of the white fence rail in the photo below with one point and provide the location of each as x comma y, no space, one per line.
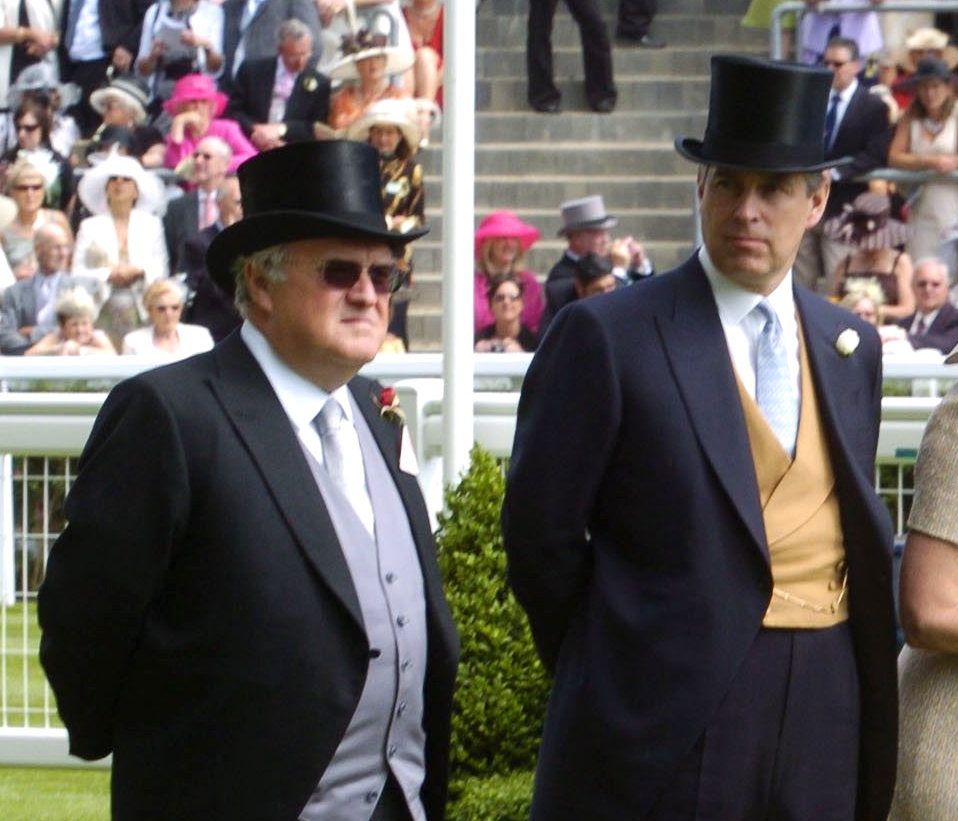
43,433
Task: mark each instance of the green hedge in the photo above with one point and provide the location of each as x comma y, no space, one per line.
501,690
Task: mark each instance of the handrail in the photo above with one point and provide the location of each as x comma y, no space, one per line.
799,9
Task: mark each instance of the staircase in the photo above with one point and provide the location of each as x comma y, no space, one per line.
530,162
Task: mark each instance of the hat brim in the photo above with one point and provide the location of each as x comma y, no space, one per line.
754,157
892,234
903,57
219,100
98,102
261,231
397,61
589,225
359,130
92,186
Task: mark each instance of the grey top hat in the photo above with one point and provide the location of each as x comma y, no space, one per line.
764,116
584,214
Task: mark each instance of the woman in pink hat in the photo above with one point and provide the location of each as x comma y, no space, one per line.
501,242
195,107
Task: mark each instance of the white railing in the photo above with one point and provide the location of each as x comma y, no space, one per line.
43,433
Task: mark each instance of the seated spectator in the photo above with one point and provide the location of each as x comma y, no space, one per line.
876,240
390,126
75,334
507,333
209,305
179,37
40,82
367,65
33,123
196,106
592,274
585,225
123,103
500,245
28,312
277,99
26,186
425,21
926,139
922,42
198,208
865,300
122,244
166,337
935,321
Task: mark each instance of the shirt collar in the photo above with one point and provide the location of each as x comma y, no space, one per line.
735,302
847,93
301,399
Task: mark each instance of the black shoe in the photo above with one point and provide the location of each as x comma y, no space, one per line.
604,106
548,107
642,40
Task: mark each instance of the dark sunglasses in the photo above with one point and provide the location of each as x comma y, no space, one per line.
27,127
836,64
345,273
28,187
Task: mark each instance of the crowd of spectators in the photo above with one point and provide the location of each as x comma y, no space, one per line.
126,121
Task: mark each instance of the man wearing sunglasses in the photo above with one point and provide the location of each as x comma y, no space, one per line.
245,608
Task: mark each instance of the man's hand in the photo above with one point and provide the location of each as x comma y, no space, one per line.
123,273
328,9
40,42
26,330
268,135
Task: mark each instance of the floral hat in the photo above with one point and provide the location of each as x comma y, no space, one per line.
866,224
363,45
504,224
196,87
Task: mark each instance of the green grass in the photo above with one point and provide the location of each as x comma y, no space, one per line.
54,795
21,671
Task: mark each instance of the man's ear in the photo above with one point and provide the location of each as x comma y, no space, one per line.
258,287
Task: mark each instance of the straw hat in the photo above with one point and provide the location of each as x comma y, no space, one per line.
363,45
130,90
926,39
92,187
866,224
398,112
196,87
500,224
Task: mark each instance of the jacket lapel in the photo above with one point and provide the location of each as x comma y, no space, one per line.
260,422
695,345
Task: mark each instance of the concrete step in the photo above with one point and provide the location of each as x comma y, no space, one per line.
574,127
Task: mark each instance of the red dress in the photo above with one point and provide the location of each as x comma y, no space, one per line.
434,41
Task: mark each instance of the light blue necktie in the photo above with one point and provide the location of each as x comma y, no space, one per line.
774,388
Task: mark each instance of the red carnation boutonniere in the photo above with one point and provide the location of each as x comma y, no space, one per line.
389,409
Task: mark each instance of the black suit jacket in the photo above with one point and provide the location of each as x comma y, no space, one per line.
863,134
120,24
199,619
261,34
210,306
180,222
943,333
252,91
636,543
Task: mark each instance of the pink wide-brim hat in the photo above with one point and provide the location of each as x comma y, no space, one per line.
196,87
504,224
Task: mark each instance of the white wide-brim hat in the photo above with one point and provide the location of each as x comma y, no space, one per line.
397,61
400,113
92,186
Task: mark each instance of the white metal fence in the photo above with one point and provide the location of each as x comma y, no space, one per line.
42,434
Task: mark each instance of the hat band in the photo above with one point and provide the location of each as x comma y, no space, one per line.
774,155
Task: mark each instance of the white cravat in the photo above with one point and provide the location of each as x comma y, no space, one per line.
343,459
773,386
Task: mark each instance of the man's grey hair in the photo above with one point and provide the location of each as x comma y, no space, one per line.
271,263
293,29
934,262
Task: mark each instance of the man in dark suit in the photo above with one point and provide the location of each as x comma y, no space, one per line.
252,35
245,607
196,209
600,90
208,304
857,127
689,516
98,35
277,99
935,321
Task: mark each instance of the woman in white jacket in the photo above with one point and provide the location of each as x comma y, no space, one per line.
122,244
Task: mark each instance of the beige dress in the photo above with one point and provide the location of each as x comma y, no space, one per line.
935,211
927,786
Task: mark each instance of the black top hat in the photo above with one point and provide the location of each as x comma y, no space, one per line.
307,190
764,116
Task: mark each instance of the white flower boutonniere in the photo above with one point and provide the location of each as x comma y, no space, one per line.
847,342
310,84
